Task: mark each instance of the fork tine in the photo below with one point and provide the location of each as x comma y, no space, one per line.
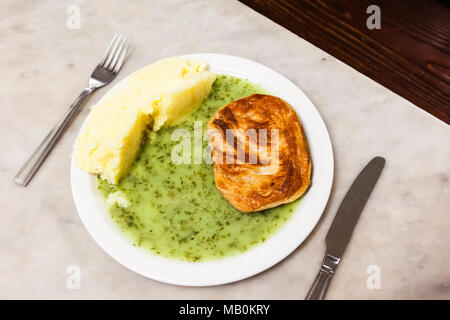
112,52
105,56
117,54
122,56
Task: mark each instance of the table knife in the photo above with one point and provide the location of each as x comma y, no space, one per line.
344,223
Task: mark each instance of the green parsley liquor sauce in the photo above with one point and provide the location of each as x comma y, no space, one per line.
175,210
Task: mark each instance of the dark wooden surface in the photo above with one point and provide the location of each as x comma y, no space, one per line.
409,55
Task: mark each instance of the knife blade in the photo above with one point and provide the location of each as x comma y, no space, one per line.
344,223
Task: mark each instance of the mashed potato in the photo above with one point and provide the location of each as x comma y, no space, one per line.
160,94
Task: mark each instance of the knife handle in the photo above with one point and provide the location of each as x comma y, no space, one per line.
323,279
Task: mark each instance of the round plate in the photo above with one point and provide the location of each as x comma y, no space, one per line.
108,236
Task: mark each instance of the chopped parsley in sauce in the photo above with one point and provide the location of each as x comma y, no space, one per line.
175,210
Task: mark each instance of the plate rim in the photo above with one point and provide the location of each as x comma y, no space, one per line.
89,219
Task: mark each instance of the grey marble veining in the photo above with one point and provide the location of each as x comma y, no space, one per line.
404,229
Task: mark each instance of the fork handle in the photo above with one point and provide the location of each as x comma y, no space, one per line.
40,153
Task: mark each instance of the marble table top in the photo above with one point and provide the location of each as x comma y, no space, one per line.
400,248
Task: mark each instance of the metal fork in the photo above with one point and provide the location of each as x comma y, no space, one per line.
104,73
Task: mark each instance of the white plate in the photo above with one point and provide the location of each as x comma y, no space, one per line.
108,236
